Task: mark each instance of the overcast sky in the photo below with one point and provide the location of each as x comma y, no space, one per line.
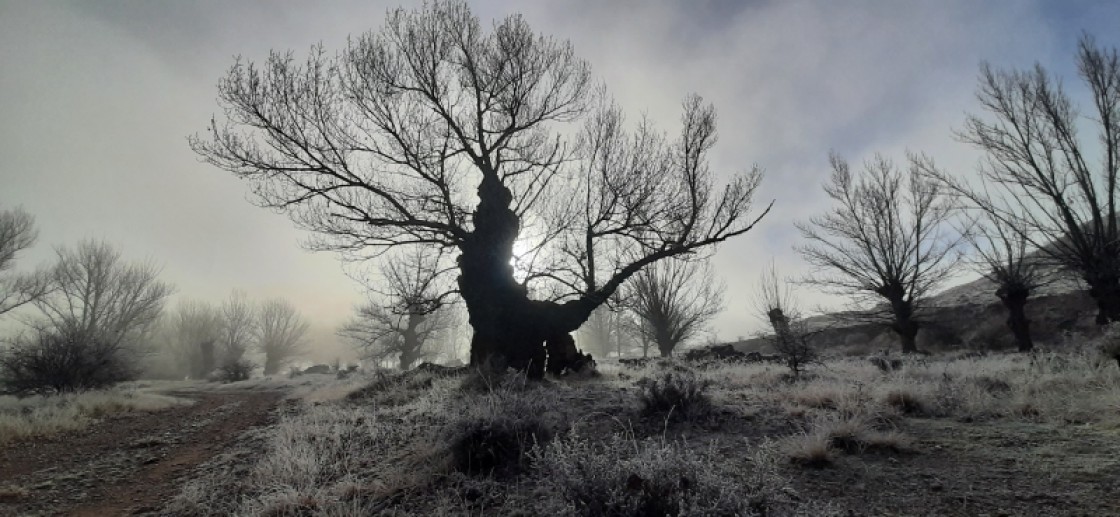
97,99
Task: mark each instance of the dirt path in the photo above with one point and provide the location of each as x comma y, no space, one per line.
129,463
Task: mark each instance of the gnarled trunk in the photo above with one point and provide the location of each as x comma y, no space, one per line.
1016,301
509,328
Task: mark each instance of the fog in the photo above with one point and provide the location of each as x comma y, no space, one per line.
97,100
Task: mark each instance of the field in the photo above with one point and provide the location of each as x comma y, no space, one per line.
1001,434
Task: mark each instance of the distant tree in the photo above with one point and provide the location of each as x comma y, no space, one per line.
238,329
282,332
777,306
95,293
887,239
17,233
408,314
1038,178
197,327
674,301
1003,256
93,324
438,132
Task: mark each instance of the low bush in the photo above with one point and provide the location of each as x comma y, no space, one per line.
235,371
65,362
682,395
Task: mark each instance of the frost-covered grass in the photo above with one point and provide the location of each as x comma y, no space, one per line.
43,416
421,443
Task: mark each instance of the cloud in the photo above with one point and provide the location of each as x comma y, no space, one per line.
98,99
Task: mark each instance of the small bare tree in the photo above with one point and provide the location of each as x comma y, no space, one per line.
197,328
282,331
238,329
887,239
673,301
17,233
1038,179
411,317
1003,256
777,306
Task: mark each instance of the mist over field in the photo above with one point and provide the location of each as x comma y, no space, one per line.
633,258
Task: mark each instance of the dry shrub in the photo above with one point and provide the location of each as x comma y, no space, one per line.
681,395
234,371
65,361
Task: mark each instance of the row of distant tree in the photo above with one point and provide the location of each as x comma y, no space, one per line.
92,319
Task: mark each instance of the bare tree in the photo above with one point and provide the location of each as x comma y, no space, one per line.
17,233
887,239
777,306
1004,257
238,329
411,316
389,142
197,329
95,293
1038,178
282,332
673,301
93,325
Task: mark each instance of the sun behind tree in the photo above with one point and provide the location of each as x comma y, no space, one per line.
436,132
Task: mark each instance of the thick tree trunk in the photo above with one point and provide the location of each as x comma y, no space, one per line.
509,328
905,326
1106,292
1016,301
271,365
908,336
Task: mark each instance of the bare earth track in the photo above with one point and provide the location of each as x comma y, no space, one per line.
131,463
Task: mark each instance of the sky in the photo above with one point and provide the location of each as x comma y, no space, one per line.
97,99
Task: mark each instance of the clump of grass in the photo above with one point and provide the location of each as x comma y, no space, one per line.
496,447
681,395
809,450
43,416
908,402
627,477
817,446
491,435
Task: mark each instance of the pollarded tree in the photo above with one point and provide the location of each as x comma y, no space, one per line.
1039,178
409,314
17,233
887,239
673,301
435,131
1004,257
776,304
281,334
